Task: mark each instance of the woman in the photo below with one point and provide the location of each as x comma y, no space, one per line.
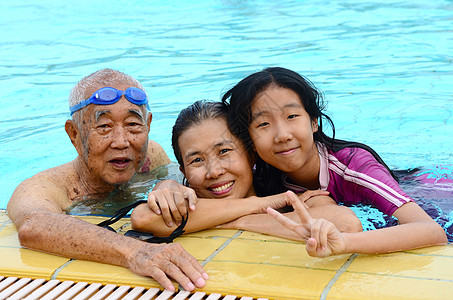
216,166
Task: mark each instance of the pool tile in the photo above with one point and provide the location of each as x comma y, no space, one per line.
214,233
355,286
28,263
402,264
248,235
288,253
80,270
446,250
4,219
267,281
200,248
8,236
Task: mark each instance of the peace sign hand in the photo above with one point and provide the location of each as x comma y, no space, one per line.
322,237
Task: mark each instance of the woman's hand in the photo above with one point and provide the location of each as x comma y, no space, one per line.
171,200
322,237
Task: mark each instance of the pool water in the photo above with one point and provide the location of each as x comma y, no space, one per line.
385,68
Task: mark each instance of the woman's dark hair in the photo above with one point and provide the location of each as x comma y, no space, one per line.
239,100
192,115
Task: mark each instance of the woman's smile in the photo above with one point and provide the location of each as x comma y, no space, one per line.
221,188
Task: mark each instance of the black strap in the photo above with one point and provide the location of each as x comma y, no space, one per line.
143,236
120,213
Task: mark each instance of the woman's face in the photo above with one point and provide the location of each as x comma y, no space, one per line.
215,163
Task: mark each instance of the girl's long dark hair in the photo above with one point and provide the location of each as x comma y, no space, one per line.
239,100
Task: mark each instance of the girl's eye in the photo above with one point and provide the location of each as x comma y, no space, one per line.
263,124
292,116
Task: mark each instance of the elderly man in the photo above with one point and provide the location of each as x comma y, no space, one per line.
109,129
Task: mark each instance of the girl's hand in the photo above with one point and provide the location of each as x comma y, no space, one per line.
305,196
171,199
322,237
282,200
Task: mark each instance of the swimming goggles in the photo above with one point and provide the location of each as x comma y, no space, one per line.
109,95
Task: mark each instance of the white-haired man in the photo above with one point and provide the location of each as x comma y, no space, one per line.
109,129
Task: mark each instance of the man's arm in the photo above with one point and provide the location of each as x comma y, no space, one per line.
35,208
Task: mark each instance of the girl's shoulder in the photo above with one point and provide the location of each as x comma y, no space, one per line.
350,155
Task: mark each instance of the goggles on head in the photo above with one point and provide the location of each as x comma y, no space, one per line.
109,95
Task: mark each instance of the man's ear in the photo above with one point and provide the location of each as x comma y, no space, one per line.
150,118
74,134
72,131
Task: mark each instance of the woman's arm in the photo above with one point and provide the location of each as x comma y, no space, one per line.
210,212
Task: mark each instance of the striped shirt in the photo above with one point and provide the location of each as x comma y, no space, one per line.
353,176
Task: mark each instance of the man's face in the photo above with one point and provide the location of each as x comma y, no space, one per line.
114,139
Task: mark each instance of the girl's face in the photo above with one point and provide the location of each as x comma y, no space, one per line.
282,131
216,164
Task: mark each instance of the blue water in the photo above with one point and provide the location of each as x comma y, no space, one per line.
386,67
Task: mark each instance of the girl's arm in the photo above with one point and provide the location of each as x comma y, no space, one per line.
342,217
416,230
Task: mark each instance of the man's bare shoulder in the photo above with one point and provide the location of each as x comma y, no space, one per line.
155,157
59,175
54,183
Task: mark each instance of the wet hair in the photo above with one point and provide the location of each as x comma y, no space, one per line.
240,98
192,115
100,78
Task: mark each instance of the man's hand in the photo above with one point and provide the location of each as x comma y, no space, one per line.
322,237
159,260
171,199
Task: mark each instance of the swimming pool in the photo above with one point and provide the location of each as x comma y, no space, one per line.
385,68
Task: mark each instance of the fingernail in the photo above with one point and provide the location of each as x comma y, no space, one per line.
190,286
170,224
205,276
171,288
158,212
200,282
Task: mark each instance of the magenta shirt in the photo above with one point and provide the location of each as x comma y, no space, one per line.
353,176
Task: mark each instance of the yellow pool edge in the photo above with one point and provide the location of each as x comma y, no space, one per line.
243,263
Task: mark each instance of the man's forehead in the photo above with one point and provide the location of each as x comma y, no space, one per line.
94,112
119,85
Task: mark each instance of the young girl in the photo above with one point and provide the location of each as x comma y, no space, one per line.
217,166
278,116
